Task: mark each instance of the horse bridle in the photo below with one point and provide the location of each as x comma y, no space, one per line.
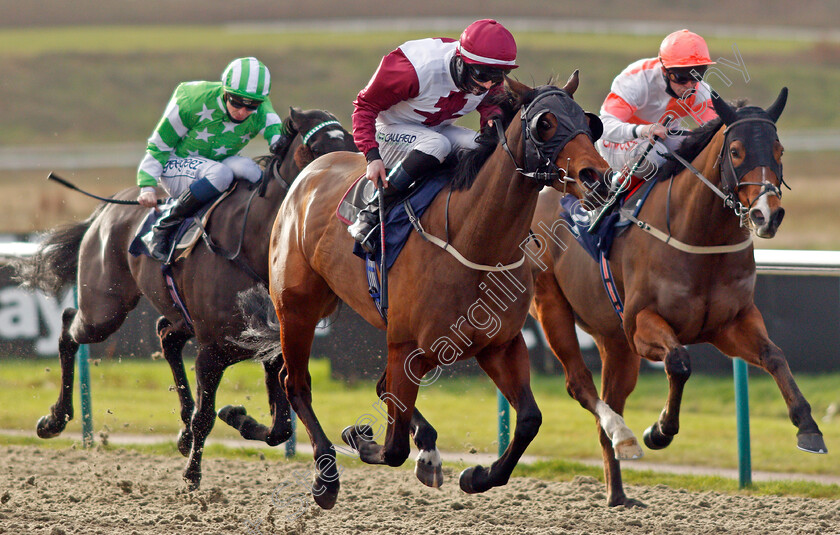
539,166
731,176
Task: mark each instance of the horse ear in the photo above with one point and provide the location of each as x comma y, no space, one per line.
724,110
775,110
572,83
596,127
295,114
516,86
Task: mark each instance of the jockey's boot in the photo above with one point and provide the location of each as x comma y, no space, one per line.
158,240
402,176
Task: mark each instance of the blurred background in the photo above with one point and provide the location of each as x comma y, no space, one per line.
83,83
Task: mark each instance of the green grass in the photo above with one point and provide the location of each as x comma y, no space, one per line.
133,397
100,84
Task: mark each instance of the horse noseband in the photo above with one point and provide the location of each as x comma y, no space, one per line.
540,155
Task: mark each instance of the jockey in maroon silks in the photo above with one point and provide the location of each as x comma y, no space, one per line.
403,119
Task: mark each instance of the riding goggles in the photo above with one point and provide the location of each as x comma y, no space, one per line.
486,73
239,102
686,75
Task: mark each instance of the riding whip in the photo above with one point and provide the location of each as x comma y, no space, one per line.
66,184
612,200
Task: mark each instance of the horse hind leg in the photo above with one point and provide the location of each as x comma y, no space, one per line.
61,412
250,429
556,317
76,330
509,368
172,340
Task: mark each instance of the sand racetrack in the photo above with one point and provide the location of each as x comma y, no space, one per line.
70,491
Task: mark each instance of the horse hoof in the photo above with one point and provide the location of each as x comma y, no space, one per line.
628,449
193,481
353,434
811,442
46,428
229,413
325,493
655,439
185,442
428,469
474,480
626,502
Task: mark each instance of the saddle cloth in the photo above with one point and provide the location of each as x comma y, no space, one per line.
613,224
187,234
397,225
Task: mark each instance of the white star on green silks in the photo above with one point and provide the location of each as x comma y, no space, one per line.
192,153
246,138
229,127
221,150
204,135
206,113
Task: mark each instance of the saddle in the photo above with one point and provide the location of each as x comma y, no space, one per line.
398,224
187,235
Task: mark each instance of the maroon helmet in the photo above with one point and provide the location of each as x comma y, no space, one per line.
487,42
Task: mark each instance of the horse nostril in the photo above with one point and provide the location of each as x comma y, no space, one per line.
777,217
757,217
589,176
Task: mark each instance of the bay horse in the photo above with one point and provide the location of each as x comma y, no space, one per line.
94,255
700,293
440,308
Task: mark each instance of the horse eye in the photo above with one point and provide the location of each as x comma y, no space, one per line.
733,151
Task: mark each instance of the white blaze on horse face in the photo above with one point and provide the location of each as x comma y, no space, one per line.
335,134
623,440
762,205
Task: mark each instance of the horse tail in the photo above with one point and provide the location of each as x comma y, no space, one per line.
262,331
55,263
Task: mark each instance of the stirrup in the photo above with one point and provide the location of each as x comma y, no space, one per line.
368,242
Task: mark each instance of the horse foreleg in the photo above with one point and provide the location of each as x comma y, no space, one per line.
428,466
619,371
296,335
172,342
556,317
746,337
61,412
208,374
655,340
509,368
399,394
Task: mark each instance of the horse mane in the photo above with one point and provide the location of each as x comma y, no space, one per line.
470,161
693,145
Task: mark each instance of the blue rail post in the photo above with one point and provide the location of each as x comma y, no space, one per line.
83,363
291,444
742,412
504,422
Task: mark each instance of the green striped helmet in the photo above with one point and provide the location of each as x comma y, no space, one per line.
247,78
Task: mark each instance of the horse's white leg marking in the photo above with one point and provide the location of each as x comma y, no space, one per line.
623,440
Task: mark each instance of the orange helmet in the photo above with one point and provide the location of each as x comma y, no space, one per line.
684,49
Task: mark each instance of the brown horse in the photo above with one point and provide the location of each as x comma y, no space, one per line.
696,288
441,309
94,256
